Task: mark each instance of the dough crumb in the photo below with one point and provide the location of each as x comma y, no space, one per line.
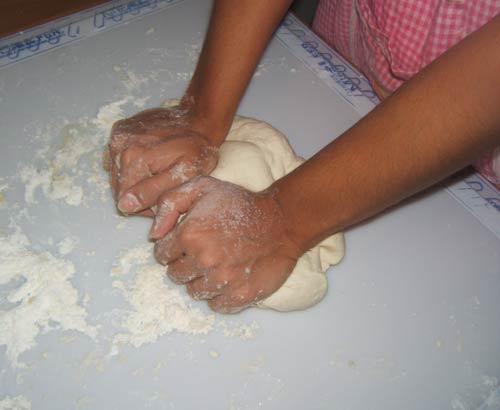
67,245
156,308
130,257
238,330
15,403
44,301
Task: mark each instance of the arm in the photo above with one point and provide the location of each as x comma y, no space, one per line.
436,124
235,247
237,36
148,150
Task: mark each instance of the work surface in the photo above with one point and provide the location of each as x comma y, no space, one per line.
411,319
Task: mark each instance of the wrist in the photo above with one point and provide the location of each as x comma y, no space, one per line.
293,222
207,118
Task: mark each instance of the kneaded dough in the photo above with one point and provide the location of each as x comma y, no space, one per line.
254,155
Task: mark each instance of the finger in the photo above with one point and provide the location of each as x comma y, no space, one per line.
209,285
184,270
178,201
169,248
180,148
234,298
118,139
259,282
145,193
132,166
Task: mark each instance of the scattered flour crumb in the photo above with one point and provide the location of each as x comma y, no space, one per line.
141,102
15,403
83,402
150,31
129,79
54,186
46,299
213,354
110,113
130,257
67,245
93,360
67,338
241,331
57,177
255,366
458,404
157,310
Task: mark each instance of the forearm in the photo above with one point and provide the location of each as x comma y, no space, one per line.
237,36
436,124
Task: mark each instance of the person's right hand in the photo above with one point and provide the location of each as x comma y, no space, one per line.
154,151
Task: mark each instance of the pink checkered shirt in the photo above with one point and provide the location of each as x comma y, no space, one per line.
392,40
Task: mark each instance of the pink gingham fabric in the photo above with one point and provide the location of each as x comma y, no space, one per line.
392,40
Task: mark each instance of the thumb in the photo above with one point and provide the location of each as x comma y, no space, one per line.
176,202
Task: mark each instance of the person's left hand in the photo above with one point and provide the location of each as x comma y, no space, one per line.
231,248
156,150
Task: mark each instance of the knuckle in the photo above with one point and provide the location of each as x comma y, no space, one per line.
165,199
180,276
244,294
188,233
206,260
117,140
128,155
160,251
222,305
174,277
198,290
216,304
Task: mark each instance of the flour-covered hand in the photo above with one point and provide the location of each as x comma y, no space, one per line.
153,151
232,246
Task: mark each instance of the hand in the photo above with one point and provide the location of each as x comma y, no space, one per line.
232,246
154,151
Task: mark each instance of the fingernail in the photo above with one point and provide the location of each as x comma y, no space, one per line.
153,232
129,203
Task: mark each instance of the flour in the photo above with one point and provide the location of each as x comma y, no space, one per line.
54,186
67,245
239,330
46,299
110,113
15,403
60,175
129,79
130,257
157,309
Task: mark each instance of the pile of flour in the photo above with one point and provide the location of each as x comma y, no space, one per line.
156,308
15,403
46,299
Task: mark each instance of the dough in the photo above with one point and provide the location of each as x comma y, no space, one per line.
255,155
